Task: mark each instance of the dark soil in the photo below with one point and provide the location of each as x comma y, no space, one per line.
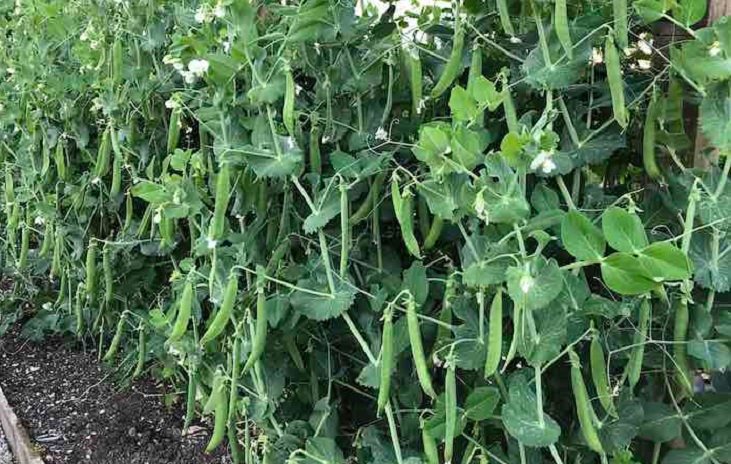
75,413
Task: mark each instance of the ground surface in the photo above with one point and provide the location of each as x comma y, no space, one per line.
76,414
5,456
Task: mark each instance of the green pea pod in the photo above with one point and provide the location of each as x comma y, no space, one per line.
289,94
649,132
116,185
184,312
128,212
683,374
114,346
190,399
174,126
504,14
57,250
450,405
59,157
224,313
431,452
108,276
616,84
511,115
621,29
583,405
91,270
219,377
235,372
141,352
634,366
387,359
24,247
219,423
223,190
79,310
412,62
403,206
475,70
366,207
454,64
561,23
262,324
117,61
104,153
315,157
417,348
495,336
599,376
48,239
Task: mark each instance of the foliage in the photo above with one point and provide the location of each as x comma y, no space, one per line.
265,203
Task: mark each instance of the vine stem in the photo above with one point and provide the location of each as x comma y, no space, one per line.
361,341
555,454
565,192
326,262
539,397
344,228
393,432
724,177
689,218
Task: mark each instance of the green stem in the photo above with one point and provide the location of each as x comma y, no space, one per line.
361,341
689,217
393,432
565,193
724,177
569,124
481,304
325,253
555,454
344,228
656,453
539,397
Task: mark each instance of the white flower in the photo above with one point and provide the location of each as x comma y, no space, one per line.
644,64
226,46
178,66
219,11
11,70
515,40
201,14
198,67
84,36
597,56
715,49
645,46
171,104
297,89
157,217
381,134
39,221
544,161
189,77
526,283
211,243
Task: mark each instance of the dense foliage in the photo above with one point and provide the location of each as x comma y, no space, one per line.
467,232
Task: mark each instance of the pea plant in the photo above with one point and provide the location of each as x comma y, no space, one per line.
468,232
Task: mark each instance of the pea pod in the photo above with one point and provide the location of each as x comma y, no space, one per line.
24,247
91,270
387,360
616,84
117,58
429,444
680,352
315,157
174,126
649,132
116,185
184,312
450,405
454,63
475,70
128,212
223,190
59,157
495,336
190,398
79,310
141,352
366,207
57,250
224,313
103,156
412,62
108,276
583,405
634,366
289,94
504,14
262,324
417,348
220,420
599,376
561,23
114,345
48,239
403,206
235,372
621,29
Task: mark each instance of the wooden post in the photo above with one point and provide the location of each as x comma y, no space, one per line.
716,9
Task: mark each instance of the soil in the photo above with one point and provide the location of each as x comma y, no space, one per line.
75,413
5,456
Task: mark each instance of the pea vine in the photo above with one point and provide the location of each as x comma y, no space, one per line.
383,234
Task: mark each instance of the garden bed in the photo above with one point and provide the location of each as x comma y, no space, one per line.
5,456
75,413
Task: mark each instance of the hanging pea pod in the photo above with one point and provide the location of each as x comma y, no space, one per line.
24,246
634,366
108,276
417,348
220,402
79,310
583,405
141,352
621,29
454,64
184,312
114,346
315,158
412,62
431,452
504,14
683,373
450,407
224,313
48,239
91,270
57,251
599,376
59,158
561,23
289,94
117,59
223,191
174,126
475,70
190,398
387,359
128,212
262,324
495,336
649,133
116,185
616,84
403,206
104,154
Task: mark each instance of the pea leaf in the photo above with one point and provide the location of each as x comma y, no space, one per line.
712,269
665,262
689,12
550,327
415,280
521,419
626,275
463,106
617,433
714,354
321,450
623,230
661,423
710,411
715,115
581,238
266,163
481,403
322,307
537,287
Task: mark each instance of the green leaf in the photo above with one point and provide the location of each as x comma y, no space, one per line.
686,456
433,145
665,262
623,230
581,238
322,450
266,163
715,116
714,354
151,192
327,209
536,286
544,198
625,274
712,263
650,10
463,106
689,12
550,328
618,433
661,423
320,308
415,280
520,416
709,411
598,149
483,273
486,95
481,403
467,147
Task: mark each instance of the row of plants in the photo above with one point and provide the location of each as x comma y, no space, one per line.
466,232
